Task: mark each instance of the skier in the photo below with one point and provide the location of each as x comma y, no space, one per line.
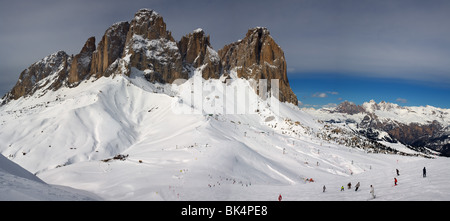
372,191
349,185
324,188
280,197
342,188
395,181
357,186
398,172
424,172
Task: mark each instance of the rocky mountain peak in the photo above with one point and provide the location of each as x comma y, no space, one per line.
257,56
196,51
149,24
109,49
48,73
144,44
150,48
349,108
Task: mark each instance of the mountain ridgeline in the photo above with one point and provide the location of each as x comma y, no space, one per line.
416,127
147,45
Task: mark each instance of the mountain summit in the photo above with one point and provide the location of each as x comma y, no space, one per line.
145,44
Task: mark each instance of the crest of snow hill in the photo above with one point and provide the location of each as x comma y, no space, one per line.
146,44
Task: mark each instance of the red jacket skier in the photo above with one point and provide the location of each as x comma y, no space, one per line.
395,181
280,197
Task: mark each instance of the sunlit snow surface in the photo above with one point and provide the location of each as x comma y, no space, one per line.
66,136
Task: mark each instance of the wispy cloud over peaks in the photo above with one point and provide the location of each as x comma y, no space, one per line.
319,94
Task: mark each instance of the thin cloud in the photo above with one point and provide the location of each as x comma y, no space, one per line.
401,100
320,95
324,94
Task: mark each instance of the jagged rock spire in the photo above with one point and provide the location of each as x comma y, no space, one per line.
81,63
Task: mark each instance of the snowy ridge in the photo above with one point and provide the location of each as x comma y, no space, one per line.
422,115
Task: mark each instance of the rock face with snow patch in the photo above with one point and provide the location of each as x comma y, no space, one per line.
257,56
109,49
151,48
81,63
196,51
49,73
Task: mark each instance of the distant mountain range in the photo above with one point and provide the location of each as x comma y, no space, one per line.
416,127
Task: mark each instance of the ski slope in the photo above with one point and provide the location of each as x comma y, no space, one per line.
69,137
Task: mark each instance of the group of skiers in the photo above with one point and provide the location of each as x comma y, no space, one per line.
349,186
372,189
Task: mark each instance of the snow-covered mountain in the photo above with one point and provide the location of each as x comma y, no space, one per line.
159,121
420,128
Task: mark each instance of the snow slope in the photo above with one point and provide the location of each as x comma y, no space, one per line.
70,137
19,184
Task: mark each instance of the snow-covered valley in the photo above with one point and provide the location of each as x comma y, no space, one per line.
119,138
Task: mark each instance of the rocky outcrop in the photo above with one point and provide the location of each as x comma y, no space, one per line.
109,49
257,56
349,108
150,48
49,73
150,25
81,63
196,51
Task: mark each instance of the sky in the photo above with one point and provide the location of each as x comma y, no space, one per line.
357,50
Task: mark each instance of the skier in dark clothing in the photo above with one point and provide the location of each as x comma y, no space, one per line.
357,186
398,172
372,191
424,172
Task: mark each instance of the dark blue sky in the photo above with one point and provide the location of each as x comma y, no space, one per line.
392,50
329,89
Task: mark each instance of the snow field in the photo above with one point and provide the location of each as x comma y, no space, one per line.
203,156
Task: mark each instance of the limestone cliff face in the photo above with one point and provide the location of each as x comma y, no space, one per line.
257,56
196,51
81,63
109,49
150,48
